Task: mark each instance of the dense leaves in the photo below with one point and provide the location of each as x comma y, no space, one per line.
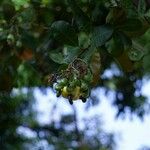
100,35
20,128
43,41
63,32
41,38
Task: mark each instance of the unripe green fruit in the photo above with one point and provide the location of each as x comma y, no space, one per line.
74,87
84,86
88,77
62,82
85,94
58,87
70,89
58,93
74,83
77,82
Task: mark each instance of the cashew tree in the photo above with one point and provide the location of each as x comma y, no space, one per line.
70,44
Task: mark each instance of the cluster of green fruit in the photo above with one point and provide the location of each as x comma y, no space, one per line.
74,87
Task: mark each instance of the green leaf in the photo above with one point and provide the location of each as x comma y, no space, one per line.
115,46
25,74
101,35
45,2
84,40
146,63
126,3
131,25
81,18
19,3
127,42
64,33
137,51
70,53
57,57
29,40
27,16
147,15
141,7
116,16
87,55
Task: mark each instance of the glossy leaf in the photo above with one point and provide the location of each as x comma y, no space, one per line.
81,18
101,35
115,46
20,3
57,57
142,7
146,64
70,53
131,25
116,16
84,40
127,42
87,54
137,32
64,33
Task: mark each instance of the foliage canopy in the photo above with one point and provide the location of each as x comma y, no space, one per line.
47,41
41,38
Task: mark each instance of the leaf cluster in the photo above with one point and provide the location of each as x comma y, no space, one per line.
39,37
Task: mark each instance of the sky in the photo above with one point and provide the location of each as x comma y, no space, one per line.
131,134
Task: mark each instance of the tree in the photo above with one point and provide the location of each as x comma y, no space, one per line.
73,43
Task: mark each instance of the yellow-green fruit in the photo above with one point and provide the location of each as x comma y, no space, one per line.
76,93
65,92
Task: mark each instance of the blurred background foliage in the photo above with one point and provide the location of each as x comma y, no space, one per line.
34,34
20,127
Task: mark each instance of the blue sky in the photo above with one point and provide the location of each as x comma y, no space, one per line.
131,134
